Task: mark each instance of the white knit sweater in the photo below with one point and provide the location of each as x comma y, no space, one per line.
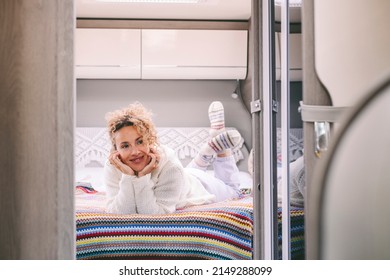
167,188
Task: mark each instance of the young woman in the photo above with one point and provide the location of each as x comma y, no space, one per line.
144,177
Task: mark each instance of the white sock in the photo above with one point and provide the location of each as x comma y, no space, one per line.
225,140
205,156
217,118
217,145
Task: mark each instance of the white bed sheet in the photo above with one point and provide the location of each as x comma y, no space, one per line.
94,177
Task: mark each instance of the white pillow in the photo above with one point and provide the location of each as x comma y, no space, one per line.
92,176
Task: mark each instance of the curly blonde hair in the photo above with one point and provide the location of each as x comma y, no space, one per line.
134,115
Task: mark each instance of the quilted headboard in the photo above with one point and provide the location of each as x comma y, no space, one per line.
296,144
93,146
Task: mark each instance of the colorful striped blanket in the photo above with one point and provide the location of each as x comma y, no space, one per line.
218,231
297,233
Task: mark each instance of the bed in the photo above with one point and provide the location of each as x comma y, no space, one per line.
220,231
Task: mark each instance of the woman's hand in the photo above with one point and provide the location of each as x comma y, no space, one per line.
154,161
115,160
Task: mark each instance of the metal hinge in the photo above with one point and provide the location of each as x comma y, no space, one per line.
275,106
255,106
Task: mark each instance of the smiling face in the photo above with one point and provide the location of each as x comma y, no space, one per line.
132,148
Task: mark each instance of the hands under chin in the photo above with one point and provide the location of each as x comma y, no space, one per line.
115,160
153,163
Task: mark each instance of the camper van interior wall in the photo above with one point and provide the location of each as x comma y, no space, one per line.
210,41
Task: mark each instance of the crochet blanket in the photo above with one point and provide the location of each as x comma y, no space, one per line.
217,231
297,233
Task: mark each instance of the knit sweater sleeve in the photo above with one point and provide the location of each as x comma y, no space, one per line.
119,191
158,194
162,196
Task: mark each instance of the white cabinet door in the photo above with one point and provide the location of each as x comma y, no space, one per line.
194,54
108,53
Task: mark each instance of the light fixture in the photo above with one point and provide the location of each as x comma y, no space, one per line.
237,91
153,1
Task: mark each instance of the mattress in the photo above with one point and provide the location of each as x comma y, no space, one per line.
217,231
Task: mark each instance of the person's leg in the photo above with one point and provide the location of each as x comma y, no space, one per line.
214,185
219,145
217,125
297,175
297,184
225,169
225,182
217,118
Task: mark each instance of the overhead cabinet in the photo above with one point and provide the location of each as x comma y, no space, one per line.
160,54
194,54
108,53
